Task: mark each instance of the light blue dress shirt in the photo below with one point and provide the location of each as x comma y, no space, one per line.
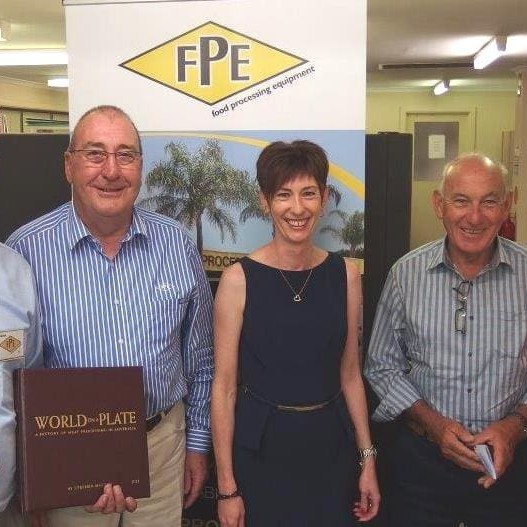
19,316
415,351
150,306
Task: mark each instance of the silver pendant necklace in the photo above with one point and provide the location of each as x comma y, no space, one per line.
297,295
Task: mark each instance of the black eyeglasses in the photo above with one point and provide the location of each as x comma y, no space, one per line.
98,157
462,290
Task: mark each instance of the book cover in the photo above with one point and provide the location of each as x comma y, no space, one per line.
77,429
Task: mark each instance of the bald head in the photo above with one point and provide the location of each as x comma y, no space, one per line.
473,163
111,112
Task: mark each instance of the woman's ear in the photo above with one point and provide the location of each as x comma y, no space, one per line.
264,204
325,197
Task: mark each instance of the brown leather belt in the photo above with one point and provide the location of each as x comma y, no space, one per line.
153,421
288,407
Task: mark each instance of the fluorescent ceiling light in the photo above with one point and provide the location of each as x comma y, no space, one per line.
441,87
59,82
5,30
490,52
33,57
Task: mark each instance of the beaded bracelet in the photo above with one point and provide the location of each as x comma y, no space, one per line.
234,494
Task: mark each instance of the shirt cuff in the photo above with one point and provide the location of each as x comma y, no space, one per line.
392,407
198,440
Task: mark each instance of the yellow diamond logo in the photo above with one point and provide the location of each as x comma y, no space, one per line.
212,62
10,344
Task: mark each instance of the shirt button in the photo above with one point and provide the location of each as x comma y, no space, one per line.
116,301
120,341
470,354
469,390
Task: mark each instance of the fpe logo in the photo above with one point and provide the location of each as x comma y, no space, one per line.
212,62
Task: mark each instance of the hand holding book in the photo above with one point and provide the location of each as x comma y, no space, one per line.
113,500
91,423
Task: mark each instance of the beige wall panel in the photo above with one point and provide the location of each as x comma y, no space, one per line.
25,95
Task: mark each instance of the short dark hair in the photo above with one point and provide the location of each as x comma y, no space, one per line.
281,162
105,109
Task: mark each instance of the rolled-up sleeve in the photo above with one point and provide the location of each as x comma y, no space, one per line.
386,365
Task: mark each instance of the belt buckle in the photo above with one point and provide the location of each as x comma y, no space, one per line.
307,408
153,421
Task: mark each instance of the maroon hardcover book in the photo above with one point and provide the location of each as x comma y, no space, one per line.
77,429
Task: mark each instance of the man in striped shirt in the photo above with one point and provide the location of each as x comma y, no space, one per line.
448,359
121,286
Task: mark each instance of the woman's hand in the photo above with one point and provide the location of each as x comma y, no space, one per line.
370,497
231,512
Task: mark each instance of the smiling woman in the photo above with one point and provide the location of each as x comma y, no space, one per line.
285,434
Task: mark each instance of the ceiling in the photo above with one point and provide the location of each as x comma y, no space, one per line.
399,31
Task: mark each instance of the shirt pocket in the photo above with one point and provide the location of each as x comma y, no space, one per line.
167,311
508,333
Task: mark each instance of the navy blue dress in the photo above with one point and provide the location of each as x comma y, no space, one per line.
295,469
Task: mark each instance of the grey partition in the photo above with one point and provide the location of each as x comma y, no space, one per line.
386,214
32,178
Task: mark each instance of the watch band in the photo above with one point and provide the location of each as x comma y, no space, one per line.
520,417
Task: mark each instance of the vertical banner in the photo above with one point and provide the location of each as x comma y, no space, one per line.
209,84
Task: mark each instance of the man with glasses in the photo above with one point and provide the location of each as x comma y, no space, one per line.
121,286
448,361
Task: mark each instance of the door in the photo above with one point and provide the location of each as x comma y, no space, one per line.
435,147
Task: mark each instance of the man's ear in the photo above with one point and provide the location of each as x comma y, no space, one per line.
67,165
437,202
508,202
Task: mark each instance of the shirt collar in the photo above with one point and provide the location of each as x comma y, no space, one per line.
440,257
78,231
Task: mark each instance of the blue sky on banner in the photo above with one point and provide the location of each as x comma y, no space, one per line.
345,149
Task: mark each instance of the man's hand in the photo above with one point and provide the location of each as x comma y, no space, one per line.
502,436
454,441
196,473
38,519
112,500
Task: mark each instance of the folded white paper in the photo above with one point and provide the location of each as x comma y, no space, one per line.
485,457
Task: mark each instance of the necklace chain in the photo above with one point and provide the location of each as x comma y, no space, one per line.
296,294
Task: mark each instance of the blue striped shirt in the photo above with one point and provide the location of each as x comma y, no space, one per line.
416,353
149,306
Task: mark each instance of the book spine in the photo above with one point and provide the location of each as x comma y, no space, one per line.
18,393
